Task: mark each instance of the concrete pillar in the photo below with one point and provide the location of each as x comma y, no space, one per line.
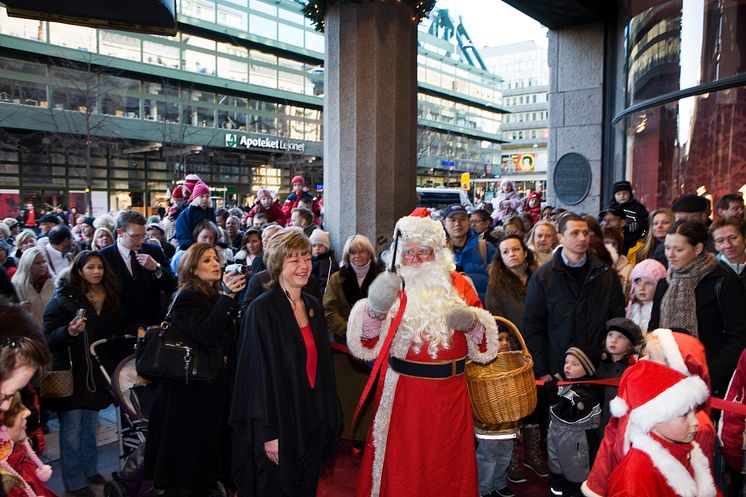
576,74
370,119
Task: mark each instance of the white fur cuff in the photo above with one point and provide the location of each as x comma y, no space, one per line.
490,332
355,332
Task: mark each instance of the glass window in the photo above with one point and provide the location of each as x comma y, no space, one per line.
158,110
233,70
288,15
261,26
78,37
234,50
314,41
263,7
290,82
160,54
22,28
200,9
197,41
119,45
199,62
232,18
262,76
22,92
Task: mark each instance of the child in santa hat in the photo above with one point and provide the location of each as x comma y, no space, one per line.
575,416
664,459
299,192
679,351
200,209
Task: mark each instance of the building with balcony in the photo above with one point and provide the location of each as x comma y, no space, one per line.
236,97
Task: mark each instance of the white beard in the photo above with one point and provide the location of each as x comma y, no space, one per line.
430,294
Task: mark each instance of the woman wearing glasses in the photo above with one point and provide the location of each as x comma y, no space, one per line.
85,309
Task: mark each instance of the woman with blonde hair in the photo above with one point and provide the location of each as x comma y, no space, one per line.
285,412
660,221
33,282
102,238
347,286
24,241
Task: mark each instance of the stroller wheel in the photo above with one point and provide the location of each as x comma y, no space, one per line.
113,488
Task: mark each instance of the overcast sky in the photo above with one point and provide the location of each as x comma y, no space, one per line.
492,22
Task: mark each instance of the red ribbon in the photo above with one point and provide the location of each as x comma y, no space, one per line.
383,356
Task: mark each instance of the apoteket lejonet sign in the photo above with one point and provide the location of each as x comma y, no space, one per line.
234,140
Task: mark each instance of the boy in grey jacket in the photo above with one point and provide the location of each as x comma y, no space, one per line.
575,414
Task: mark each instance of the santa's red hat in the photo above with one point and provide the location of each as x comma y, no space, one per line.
651,393
421,212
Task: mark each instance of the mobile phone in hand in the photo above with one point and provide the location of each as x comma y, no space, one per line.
80,314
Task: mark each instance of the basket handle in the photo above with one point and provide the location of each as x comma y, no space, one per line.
516,333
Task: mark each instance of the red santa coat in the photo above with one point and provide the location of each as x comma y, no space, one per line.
655,467
421,442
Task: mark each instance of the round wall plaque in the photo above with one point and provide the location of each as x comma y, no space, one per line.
572,178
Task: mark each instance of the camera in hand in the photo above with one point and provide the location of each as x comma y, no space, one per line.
236,268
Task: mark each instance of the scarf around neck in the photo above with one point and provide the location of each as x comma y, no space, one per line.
679,304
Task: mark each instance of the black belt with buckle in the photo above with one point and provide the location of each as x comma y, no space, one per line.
437,371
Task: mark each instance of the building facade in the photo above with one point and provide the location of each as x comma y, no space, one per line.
236,97
525,73
651,91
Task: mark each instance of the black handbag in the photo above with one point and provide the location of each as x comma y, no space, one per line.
165,355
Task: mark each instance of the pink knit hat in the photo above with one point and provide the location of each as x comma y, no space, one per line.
649,269
200,188
298,179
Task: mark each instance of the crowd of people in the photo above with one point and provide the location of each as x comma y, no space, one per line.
655,301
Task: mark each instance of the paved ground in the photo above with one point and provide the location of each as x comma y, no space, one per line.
340,484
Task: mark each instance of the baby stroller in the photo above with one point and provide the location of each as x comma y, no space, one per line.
133,398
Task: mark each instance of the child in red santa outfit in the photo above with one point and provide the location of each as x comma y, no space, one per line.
664,459
679,351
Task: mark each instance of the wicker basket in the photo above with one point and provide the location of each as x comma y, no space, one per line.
503,390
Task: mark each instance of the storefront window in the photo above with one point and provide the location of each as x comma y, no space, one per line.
667,44
688,146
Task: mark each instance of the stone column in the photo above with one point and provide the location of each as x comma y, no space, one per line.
370,119
576,74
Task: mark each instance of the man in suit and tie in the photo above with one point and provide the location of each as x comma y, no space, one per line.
141,270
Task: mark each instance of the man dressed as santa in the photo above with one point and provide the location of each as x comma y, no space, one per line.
421,442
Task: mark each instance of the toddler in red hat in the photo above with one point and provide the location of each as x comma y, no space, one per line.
664,459
200,209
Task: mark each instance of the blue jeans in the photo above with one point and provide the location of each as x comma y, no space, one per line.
78,455
493,459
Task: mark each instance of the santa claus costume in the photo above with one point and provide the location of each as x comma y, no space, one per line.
421,442
657,464
679,351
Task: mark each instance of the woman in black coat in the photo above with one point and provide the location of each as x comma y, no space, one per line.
185,448
85,309
285,413
715,312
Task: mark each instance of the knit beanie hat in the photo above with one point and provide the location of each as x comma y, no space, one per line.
298,179
621,186
190,181
320,237
626,327
200,188
588,359
263,192
652,393
89,220
649,269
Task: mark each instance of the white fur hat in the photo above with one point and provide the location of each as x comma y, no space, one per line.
421,231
